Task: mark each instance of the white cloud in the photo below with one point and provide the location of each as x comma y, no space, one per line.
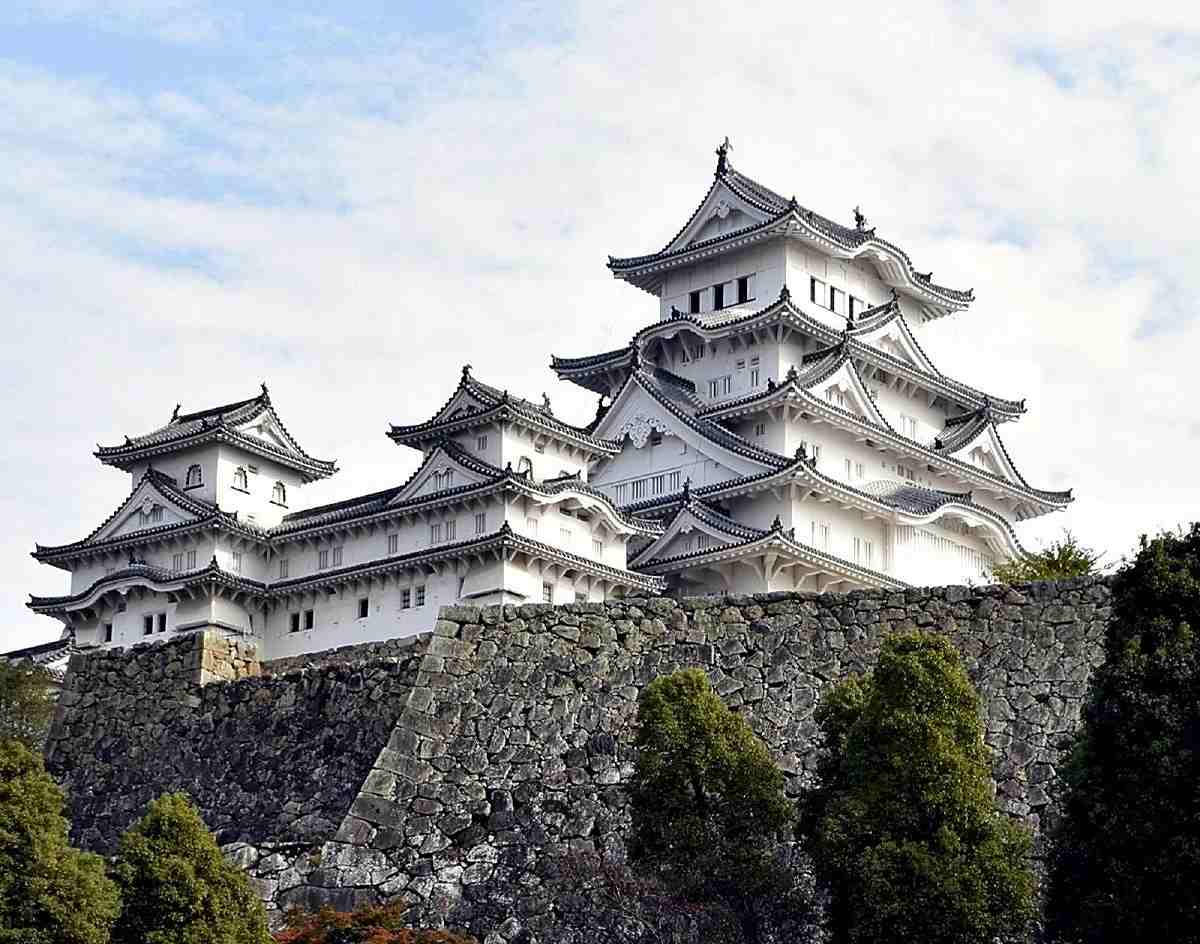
359,216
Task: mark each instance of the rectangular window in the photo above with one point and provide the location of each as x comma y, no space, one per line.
727,383
754,377
283,567
531,525
421,595
435,533
177,561
638,489
405,598
235,562
147,625
481,443
718,297
622,495
565,535
743,289
858,550
480,522
364,608
598,548
310,619
819,293
108,632
162,622
698,352
858,470
703,541
657,484
760,429
451,530
857,306
694,303
294,622
712,389
547,593
393,543
741,365
322,560
337,557
673,480
837,301
869,553
848,467
191,559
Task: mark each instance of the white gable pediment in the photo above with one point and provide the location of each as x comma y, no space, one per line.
985,452
722,212
844,389
895,339
439,472
462,404
637,415
687,533
267,430
148,507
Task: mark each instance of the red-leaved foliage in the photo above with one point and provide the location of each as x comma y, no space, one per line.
373,924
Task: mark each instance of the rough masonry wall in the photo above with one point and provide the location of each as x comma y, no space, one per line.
508,733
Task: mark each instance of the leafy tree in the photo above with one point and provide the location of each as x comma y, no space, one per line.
177,887
1126,853
374,924
708,803
1058,560
50,893
26,705
903,831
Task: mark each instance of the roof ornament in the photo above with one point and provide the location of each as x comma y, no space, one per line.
791,374
128,440
860,221
1021,404
676,314
971,495
770,384
506,528
175,413
263,387
895,296
937,442
635,359
723,157
925,276
785,294
687,489
546,403
802,452
466,371
508,467
504,396
777,524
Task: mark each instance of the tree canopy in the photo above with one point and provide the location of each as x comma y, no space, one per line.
176,886
903,831
707,800
1061,559
26,705
1126,853
50,893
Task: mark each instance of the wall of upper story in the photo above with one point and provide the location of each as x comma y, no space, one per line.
634,473
548,460
199,546
856,278
764,262
583,533
736,370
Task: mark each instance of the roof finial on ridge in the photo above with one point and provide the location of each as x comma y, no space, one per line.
723,156
860,221
175,413
263,388
802,452
777,524
466,371
785,294
687,490
546,403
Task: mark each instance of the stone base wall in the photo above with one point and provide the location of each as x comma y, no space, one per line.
455,774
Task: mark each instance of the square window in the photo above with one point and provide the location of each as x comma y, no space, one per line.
405,598
364,608
310,619
147,625
819,293
547,593
294,626
108,632
162,622
421,595
837,301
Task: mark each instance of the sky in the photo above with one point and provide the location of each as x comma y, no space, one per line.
196,197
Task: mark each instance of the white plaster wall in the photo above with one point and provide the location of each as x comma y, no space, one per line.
255,504
670,455
765,261
554,460
857,278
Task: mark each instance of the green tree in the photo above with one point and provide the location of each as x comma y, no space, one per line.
902,827
50,893
176,886
708,802
1125,855
26,705
1058,560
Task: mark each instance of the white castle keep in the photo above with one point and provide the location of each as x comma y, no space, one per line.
778,427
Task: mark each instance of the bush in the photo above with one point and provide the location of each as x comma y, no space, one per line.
904,834
708,803
375,924
50,893
1125,855
176,886
1059,560
26,706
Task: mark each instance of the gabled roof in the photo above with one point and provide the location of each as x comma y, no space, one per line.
201,514
961,431
773,215
494,406
677,396
694,514
593,372
228,423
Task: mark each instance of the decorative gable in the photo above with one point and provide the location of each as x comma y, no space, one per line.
148,506
443,469
722,212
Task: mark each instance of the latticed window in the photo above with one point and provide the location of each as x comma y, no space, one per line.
194,476
240,479
279,493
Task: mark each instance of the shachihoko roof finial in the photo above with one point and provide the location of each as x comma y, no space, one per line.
860,221
263,388
785,294
466,371
687,489
777,524
546,403
175,413
802,452
723,156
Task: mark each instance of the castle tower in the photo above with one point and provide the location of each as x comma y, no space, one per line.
782,420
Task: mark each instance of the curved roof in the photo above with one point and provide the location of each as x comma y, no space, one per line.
220,424
787,215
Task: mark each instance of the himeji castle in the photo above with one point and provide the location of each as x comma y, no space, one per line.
777,427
